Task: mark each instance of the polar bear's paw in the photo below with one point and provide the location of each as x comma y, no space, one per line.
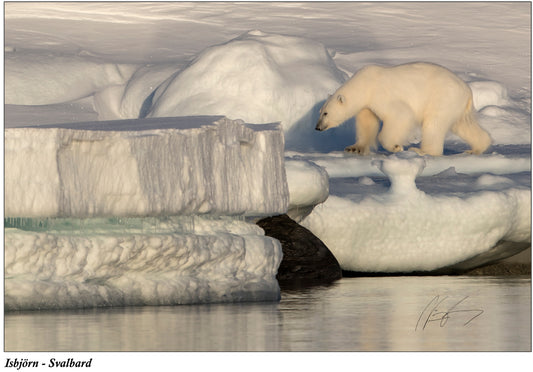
397,148
473,152
417,150
358,149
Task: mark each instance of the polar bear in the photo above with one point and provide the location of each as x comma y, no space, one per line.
402,97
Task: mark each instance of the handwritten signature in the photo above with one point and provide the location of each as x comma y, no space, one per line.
436,311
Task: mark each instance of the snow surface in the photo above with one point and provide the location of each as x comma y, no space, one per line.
147,59
154,167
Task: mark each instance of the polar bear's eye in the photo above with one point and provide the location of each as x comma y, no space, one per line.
325,114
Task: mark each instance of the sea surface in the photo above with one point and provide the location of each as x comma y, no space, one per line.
442,313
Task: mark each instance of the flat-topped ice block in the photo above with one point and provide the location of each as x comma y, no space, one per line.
145,167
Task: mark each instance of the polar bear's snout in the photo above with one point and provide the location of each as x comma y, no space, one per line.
325,121
322,123
321,126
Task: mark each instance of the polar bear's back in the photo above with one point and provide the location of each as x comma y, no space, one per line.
420,84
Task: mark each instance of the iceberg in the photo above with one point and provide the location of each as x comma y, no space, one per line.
141,212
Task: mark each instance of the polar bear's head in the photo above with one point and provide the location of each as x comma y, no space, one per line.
332,113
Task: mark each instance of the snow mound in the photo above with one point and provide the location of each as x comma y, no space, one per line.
489,180
367,181
506,124
179,260
132,100
405,229
257,77
149,167
488,93
43,79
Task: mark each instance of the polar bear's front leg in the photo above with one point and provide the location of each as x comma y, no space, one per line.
366,131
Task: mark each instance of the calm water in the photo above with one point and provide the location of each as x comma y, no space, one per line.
354,314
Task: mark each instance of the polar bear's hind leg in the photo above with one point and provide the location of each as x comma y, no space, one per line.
397,128
433,134
469,130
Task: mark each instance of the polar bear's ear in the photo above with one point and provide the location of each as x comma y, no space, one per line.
341,98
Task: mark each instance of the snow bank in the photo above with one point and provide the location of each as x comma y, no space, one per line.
257,77
370,227
144,261
150,167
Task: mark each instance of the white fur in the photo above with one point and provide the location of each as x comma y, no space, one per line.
402,97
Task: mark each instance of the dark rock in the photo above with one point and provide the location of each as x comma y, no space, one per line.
306,260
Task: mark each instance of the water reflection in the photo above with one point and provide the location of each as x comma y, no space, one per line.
354,314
